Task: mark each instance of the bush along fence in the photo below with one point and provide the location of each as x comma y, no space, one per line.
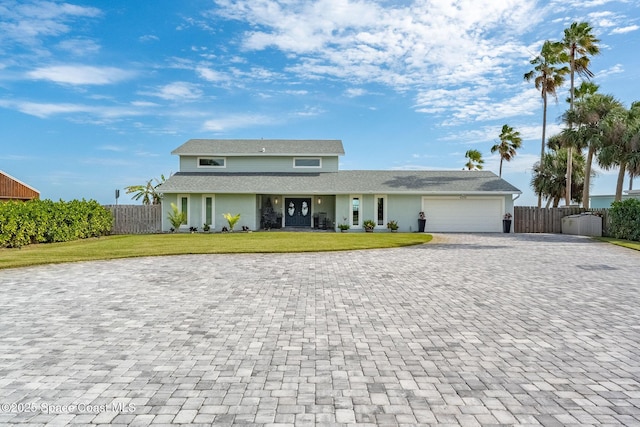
136,219
527,219
45,221
625,220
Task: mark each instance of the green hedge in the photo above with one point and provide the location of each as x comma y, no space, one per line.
44,221
625,219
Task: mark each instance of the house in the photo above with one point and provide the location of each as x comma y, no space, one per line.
297,184
14,189
604,201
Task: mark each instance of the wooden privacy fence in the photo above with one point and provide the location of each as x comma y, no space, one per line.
136,219
528,219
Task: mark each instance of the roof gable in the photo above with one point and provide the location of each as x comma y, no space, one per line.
266,147
13,188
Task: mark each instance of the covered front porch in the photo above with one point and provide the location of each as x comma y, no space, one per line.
297,211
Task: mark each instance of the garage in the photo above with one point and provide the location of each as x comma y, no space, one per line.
463,214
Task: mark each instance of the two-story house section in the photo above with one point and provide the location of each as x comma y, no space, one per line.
297,184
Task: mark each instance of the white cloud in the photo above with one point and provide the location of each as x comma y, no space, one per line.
46,110
400,46
355,92
27,22
80,74
212,75
147,38
79,47
614,69
624,30
114,148
237,121
178,91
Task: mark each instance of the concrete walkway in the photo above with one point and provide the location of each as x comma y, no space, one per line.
474,330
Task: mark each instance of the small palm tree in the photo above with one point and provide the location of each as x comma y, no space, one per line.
549,176
510,141
475,160
147,192
176,218
232,220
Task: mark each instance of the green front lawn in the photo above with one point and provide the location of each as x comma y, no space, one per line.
127,246
626,243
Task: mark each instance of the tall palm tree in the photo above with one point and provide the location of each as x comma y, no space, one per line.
548,77
475,160
510,141
579,43
147,192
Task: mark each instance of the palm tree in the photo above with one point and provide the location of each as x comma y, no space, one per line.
579,42
547,78
550,176
475,160
147,192
510,141
621,145
590,115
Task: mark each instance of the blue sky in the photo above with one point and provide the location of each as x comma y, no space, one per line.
94,95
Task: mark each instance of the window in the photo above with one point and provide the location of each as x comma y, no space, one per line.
355,211
381,211
211,162
184,207
208,210
307,162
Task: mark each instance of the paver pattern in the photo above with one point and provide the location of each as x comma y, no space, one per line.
475,330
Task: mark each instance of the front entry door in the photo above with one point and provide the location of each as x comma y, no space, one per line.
297,212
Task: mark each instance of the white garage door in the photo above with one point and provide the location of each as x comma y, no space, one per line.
471,214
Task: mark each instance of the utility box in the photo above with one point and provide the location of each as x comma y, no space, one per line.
585,224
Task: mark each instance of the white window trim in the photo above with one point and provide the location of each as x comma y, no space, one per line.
351,197
307,158
211,167
180,196
384,212
213,210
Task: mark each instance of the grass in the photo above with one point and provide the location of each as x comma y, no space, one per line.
128,246
625,243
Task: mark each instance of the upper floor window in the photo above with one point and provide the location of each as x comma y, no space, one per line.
307,162
211,162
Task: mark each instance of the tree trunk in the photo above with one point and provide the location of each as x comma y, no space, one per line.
500,175
569,173
569,149
544,132
587,177
623,170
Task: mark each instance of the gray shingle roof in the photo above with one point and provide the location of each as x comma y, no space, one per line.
227,147
342,182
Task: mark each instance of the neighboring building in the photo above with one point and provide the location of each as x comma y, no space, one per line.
604,201
297,183
14,189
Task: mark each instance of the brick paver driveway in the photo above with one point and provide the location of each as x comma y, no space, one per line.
478,329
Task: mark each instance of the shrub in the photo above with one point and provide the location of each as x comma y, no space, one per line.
231,219
44,221
625,219
175,217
